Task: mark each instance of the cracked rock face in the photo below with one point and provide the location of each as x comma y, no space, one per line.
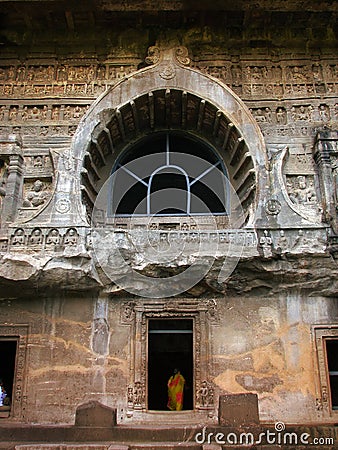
312,273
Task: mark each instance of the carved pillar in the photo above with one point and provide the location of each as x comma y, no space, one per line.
326,157
100,327
13,196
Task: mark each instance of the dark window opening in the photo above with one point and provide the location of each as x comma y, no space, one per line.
7,369
167,181
170,346
332,361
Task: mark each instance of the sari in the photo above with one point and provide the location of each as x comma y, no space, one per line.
175,392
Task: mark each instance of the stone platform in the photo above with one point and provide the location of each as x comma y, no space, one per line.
33,437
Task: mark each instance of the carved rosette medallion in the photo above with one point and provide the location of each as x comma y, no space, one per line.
168,72
62,205
272,207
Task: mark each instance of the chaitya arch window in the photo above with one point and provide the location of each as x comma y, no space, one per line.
169,174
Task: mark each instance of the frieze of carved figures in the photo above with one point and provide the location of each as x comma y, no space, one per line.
301,113
299,74
62,73
42,113
38,165
205,395
50,239
36,194
262,115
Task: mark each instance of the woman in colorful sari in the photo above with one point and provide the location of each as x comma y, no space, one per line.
175,391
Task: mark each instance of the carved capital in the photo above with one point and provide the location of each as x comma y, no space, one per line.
169,55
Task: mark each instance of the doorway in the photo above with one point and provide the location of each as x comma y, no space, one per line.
8,350
170,346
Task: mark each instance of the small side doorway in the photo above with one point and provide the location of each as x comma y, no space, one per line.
8,349
170,346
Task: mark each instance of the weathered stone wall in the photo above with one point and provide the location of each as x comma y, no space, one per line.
258,344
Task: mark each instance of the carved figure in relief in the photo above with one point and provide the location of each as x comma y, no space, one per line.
302,114
35,114
44,112
324,113
19,237
53,237
138,393
38,161
77,112
55,113
281,116
2,112
13,113
301,191
205,394
334,167
130,397
11,73
101,72
20,74
3,179
36,197
301,241
265,243
71,237
67,112
282,242
25,114
297,74
61,73
36,237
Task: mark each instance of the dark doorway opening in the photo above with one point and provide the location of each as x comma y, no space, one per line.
170,346
332,361
7,367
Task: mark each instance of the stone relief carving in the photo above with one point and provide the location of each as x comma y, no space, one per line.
301,191
138,395
71,238
262,115
36,238
205,395
281,117
36,194
3,179
303,113
266,243
53,239
18,238
100,336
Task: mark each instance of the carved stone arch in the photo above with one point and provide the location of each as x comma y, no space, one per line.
169,95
